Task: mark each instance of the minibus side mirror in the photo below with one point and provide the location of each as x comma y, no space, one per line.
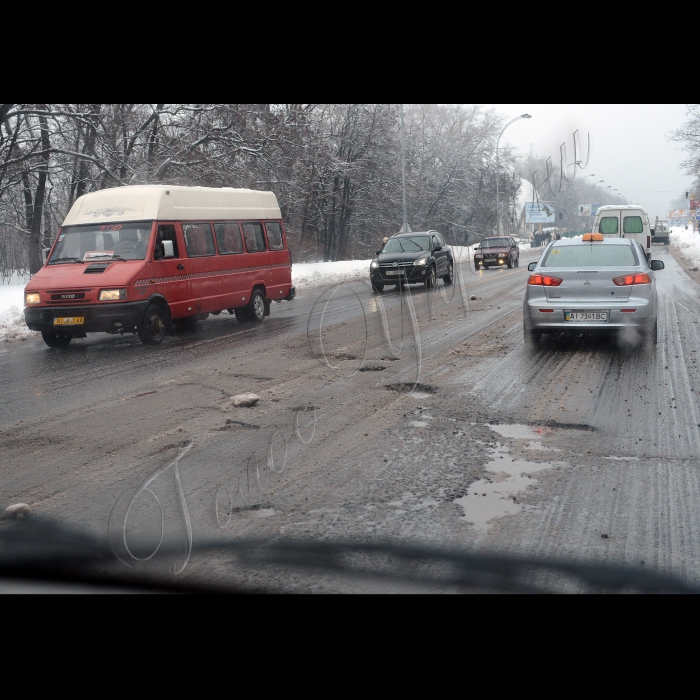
532,266
657,265
44,254
168,249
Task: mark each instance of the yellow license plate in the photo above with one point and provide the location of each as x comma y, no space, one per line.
69,321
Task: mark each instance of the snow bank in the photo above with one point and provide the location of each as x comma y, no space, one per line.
687,243
12,326
305,275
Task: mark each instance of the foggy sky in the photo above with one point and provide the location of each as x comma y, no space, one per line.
630,148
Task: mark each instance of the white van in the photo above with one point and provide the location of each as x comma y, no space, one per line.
625,221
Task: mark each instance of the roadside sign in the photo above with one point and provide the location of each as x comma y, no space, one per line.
539,213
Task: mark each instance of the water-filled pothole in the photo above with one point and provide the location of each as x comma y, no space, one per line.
497,495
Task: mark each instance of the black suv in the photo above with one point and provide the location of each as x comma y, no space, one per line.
412,258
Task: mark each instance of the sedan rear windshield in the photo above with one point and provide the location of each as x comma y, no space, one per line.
127,241
412,244
496,243
591,255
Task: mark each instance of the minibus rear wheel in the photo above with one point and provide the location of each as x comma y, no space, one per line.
153,327
56,340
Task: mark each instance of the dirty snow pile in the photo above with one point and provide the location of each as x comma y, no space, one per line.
12,325
306,275
687,243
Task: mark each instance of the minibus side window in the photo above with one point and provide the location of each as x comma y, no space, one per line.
228,238
254,237
199,240
274,236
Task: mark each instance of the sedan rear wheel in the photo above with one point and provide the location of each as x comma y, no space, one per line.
532,338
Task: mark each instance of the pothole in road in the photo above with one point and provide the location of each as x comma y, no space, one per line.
417,390
372,368
496,496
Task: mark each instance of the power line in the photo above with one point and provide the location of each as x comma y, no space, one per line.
657,191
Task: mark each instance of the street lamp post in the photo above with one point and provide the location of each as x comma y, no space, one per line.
498,170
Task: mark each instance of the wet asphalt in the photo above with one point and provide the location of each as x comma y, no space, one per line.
602,458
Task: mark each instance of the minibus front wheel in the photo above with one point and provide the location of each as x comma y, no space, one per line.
153,327
56,340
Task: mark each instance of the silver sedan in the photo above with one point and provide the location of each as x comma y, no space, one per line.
591,285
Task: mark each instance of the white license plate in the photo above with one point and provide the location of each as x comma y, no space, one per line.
394,272
69,321
586,316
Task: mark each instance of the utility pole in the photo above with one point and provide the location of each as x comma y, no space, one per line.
405,228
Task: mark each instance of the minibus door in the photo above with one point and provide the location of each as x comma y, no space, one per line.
171,273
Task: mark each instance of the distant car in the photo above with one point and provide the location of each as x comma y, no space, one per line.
412,258
497,251
591,285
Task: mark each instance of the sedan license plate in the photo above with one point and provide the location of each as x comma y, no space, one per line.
586,316
69,321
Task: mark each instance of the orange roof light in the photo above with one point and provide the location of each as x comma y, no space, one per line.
593,237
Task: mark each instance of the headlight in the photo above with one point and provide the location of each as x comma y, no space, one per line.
421,261
374,265
32,299
112,294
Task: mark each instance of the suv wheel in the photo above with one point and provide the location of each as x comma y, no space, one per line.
431,279
449,277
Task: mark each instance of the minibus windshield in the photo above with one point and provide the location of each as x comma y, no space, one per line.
127,241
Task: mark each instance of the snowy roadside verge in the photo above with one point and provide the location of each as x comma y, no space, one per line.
687,243
307,275
12,325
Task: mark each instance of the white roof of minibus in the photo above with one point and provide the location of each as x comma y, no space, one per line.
623,207
172,203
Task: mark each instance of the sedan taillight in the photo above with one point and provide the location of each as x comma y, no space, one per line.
545,280
628,280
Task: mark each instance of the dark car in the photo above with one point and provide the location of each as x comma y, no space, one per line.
500,250
412,258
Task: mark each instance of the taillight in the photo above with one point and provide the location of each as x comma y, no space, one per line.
627,280
545,280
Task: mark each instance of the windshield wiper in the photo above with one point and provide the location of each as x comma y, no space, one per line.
62,260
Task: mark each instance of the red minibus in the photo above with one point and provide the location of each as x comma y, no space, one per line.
135,259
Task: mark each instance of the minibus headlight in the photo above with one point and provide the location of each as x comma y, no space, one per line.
32,299
112,294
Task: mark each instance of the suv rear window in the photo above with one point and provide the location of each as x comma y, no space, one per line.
591,255
609,224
